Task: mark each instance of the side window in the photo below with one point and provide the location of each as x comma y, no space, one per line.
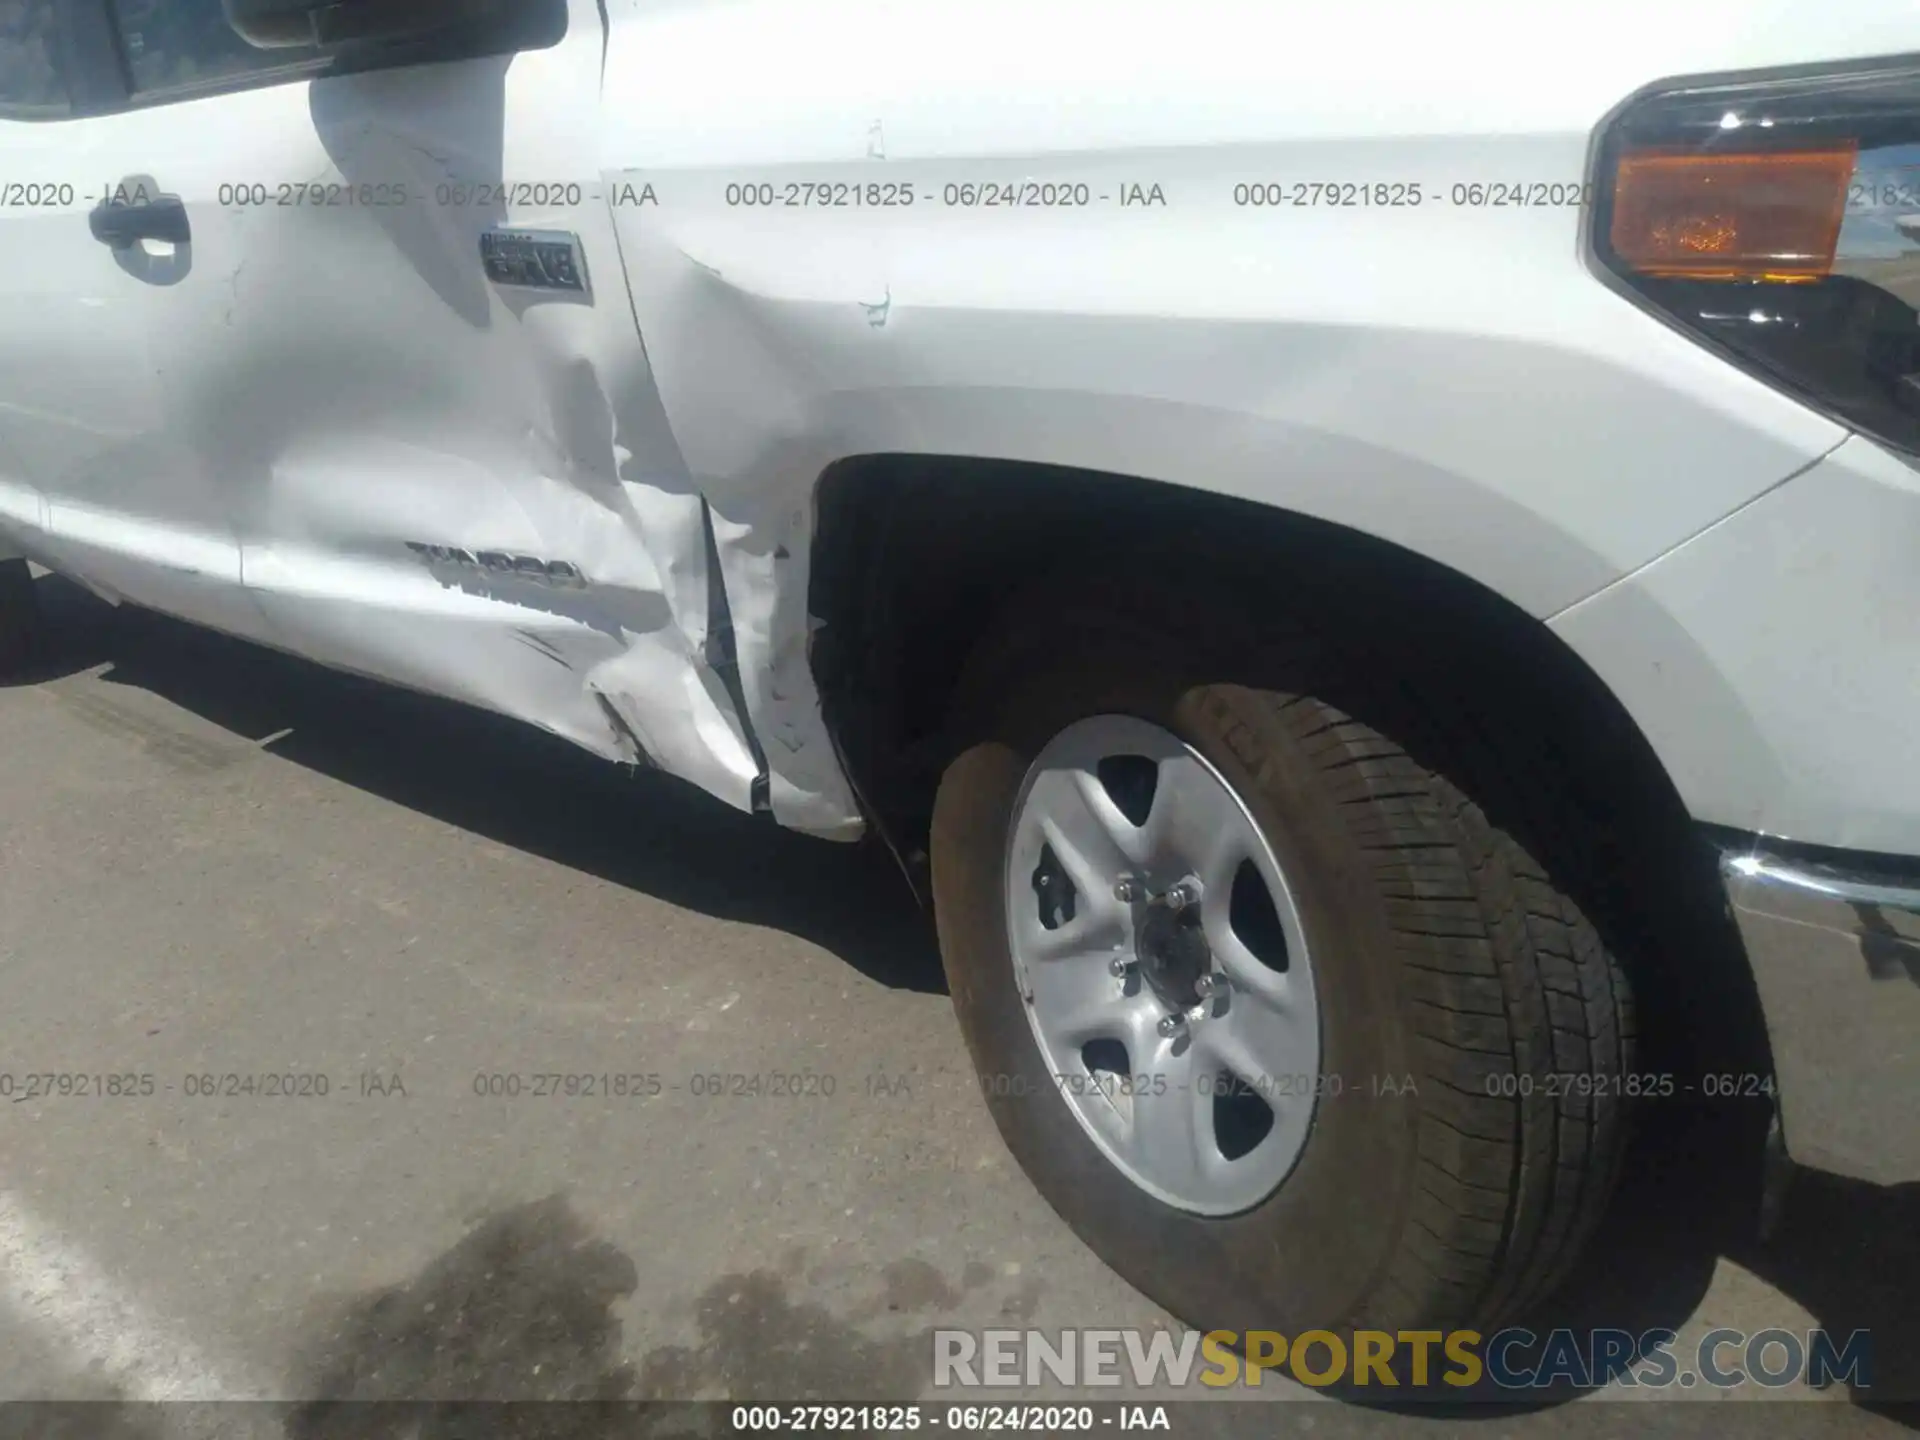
178,44
32,81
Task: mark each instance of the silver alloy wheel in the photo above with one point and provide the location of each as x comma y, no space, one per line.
1163,965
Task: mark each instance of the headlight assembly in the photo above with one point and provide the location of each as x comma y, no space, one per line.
1779,221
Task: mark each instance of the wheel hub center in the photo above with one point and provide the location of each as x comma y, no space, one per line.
1173,954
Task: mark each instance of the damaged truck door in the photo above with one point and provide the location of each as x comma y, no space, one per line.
404,362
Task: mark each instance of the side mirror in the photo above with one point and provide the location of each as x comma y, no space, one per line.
284,24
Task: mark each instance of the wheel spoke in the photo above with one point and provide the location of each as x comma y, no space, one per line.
1147,1048
1171,1138
1093,929
1078,1000
1196,825
1093,839
1268,1047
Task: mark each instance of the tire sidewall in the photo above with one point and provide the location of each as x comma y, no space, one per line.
1313,1254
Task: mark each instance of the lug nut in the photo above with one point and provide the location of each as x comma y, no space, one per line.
1129,890
1118,967
1186,893
1171,1025
1206,987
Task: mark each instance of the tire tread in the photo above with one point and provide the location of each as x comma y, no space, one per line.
1506,978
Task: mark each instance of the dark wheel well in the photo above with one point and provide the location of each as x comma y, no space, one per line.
19,615
916,556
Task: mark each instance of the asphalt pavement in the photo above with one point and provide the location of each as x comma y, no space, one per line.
309,953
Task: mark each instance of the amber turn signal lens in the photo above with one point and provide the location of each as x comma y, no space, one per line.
1730,217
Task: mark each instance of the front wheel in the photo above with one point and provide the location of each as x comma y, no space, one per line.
1287,1023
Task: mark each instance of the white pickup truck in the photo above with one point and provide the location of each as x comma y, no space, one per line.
1365,558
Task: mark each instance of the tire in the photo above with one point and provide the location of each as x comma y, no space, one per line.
19,616
1453,1179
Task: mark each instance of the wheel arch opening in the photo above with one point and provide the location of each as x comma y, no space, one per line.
916,556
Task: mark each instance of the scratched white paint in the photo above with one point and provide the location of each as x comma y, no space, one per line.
250,433
257,425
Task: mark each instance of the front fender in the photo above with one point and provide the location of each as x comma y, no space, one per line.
818,273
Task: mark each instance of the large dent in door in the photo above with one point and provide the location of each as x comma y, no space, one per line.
762,558
748,422
488,503
563,581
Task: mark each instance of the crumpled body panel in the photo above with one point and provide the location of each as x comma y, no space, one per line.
1003,231
490,503
327,427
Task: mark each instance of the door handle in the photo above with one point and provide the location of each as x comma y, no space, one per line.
162,218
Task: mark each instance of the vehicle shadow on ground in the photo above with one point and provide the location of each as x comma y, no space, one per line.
1850,1252
509,782
1845,1251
